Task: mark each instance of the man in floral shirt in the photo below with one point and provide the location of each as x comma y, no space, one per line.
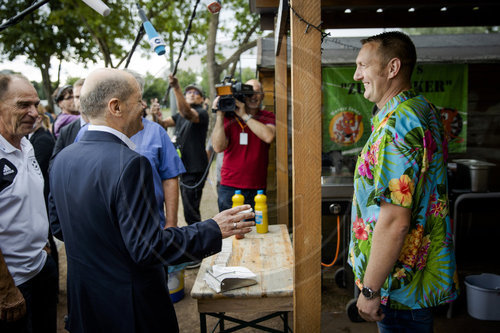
401,247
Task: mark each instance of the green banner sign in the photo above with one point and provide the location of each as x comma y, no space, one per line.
347,114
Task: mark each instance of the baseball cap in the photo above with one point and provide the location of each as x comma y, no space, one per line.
194,86
60,93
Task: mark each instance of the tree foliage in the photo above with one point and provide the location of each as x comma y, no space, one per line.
154,87
69,30
63,30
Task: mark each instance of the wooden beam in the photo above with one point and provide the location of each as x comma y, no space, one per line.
281,100
281,25
306,164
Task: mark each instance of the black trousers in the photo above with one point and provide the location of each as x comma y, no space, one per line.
191,197
40,294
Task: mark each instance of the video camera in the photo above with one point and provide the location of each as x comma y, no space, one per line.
229,90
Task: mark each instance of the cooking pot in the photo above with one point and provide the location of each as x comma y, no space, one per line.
477,173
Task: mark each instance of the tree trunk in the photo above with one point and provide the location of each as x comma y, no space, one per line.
46,84
212,67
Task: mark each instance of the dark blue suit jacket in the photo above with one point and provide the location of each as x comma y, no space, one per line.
102,200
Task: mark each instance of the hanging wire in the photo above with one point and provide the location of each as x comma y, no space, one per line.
186,34
16,19
347,46
138,38
308,24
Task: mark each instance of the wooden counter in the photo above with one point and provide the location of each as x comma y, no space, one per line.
270,257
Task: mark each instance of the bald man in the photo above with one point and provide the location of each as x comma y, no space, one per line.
28,276
244,137
103,205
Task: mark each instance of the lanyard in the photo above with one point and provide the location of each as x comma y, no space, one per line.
241,125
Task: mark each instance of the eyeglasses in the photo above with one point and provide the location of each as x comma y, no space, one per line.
194,92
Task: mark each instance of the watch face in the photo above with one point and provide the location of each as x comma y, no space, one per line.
367,292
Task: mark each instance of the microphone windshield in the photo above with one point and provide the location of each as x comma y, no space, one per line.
98,6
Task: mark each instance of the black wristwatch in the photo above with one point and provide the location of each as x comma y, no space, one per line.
369,293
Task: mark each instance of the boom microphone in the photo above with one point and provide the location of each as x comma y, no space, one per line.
98,6
155,40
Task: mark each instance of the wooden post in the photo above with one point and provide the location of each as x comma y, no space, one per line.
281,92
306,163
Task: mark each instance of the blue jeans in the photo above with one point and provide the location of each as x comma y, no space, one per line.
226,193
406,321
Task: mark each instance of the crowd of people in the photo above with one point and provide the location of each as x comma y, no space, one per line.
107,180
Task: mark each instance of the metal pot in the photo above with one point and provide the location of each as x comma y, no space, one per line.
478,172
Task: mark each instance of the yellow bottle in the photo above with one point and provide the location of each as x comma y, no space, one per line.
238,200
261,221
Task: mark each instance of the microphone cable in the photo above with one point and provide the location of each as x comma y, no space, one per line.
191,187
18,18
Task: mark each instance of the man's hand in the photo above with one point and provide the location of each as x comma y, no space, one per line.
155,109
240,109
173,82
231,222
369,309
12,303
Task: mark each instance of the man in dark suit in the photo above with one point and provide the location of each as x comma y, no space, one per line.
103,201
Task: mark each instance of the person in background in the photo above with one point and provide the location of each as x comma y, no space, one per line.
115,248
43,144
244,137
63,97
191,125
28,275
69,132
401,248
154,143
49,112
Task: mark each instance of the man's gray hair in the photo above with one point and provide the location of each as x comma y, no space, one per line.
94,102
138,77
6,79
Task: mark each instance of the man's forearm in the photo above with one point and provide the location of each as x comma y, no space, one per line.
387,241
264,132
219,140
12,303
171,193
184,108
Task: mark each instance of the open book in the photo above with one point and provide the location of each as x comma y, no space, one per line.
221,278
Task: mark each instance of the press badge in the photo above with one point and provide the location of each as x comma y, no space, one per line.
243,138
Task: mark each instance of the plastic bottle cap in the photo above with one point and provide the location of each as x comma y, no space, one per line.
237,192
260,191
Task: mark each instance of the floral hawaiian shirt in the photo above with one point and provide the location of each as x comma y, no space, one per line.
403,163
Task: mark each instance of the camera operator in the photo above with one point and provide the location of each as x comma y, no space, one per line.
244,136
191,125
